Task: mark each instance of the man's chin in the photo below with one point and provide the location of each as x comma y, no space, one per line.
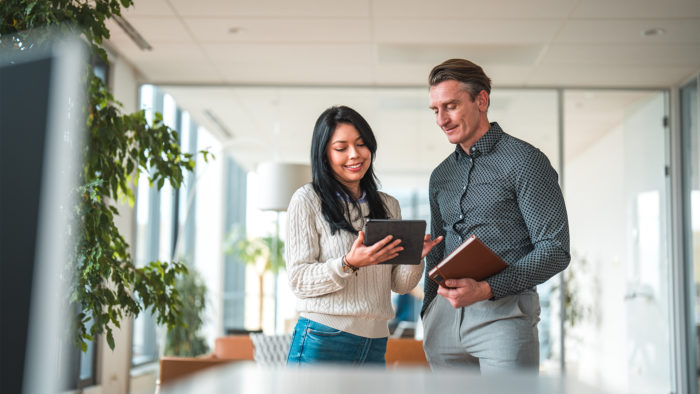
453,139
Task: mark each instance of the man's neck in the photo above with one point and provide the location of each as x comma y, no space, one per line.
467,145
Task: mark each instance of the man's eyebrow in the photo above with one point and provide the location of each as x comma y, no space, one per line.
453,101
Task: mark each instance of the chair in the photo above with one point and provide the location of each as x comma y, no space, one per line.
172,368
271,350
234,347
227,349
402,352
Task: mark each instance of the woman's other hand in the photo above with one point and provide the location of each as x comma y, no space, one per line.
428,244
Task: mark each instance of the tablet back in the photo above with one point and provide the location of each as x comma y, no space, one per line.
410,232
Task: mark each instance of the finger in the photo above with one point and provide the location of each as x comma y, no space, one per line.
377,247
443,291
393,247
382,242
463,282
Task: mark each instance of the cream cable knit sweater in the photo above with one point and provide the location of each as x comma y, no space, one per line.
359,304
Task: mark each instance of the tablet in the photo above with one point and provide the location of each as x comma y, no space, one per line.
410,232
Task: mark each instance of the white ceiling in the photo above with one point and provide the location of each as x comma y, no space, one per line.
210,54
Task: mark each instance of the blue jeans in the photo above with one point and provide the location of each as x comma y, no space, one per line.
315,343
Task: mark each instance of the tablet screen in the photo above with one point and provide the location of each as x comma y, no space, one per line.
410,232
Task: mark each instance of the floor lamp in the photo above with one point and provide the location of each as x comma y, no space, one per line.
276,184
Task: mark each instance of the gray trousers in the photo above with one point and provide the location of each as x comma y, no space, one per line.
491,336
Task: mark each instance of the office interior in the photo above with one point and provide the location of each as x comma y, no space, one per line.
607,90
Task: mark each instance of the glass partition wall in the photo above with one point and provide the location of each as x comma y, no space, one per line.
618,317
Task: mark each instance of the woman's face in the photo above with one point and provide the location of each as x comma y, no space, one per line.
348,156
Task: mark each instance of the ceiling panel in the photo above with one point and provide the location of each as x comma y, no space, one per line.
477,31
271,8
620,31
633,9
284,55
279,30
157,30
628,55
473,9
149,8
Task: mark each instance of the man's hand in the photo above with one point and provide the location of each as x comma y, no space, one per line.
464,292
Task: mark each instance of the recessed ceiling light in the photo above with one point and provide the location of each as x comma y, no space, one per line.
654,31
234,30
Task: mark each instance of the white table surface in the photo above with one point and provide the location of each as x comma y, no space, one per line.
250,378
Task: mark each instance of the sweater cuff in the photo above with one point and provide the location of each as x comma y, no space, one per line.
336,268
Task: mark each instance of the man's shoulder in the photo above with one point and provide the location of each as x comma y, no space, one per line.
445,165
516,145
520,151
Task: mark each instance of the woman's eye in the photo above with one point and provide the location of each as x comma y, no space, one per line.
340,149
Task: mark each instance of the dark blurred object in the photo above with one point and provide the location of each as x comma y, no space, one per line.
41,94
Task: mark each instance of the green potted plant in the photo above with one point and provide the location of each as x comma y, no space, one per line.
266,254
184,340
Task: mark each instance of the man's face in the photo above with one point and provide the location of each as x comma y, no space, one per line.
464,121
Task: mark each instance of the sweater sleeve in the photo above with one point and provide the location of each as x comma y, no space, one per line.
309,277
404,277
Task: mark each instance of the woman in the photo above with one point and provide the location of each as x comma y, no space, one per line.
343,296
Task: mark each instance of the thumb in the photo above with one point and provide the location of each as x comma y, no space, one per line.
360,239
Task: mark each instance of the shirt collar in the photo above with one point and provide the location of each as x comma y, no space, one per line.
362,199
485,144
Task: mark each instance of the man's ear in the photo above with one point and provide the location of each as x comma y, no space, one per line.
482,100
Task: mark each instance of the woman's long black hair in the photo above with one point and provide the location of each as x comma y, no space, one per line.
334,208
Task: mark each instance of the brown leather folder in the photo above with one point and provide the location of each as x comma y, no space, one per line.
471,259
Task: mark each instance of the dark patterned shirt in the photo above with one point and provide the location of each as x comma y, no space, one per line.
505,192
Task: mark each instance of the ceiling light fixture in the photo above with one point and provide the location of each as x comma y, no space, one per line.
654,31
234,30
131,31
215,119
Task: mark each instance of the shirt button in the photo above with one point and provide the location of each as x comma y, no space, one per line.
464,187
461,216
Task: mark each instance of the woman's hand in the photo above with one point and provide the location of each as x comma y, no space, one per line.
428,244
383,250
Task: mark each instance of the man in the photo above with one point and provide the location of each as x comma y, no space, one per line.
505,192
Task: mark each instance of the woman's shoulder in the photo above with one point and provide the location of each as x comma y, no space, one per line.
391,203
304,195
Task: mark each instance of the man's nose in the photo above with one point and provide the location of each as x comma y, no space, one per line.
442,118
